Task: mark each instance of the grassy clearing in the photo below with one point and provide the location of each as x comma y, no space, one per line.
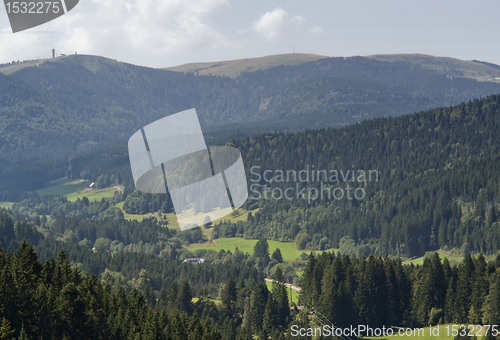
288,249
454,256
171,218
295,294
96,195
63,187
174,224
137,217
420,260
443,333
243,216
74,190
217,302
9,69
6,204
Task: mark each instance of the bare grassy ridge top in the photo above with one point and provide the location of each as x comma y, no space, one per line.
233,68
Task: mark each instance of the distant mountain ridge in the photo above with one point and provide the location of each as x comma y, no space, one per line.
234,68
473,69
79,104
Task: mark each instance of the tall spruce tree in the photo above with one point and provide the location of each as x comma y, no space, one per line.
280,296
184,298
492,310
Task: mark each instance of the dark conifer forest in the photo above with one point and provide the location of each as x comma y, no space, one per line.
60,297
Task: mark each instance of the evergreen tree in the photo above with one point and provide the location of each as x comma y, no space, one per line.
184,298
464,289
71,310
492,313
258,304
451,303
261,251
270,318
364,301
279,296
480,289
228,329
277,256
308,283
229,296
5,331
23,335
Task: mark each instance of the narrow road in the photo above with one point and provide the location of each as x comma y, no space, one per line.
286,284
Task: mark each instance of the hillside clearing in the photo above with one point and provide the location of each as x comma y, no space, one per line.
288,249
74,190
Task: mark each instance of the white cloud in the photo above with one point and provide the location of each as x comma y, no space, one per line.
297,20
316,30
119,29
271,24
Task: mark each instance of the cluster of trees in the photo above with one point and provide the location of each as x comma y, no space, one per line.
138,295
13,231
55,301
382,291
38,208
143,203
156,251
148,296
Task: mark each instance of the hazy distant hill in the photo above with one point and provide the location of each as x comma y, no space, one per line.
450,66
473,69
233,68
79,104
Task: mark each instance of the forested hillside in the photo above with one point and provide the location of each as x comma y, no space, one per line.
55,295
438,183
132,288
380,291
437,187
82,104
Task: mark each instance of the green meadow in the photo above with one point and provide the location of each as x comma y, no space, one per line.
454,256
288,249
96,195
6,204
63,187
74,190
217,302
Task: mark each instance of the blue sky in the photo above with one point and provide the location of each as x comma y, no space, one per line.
172,32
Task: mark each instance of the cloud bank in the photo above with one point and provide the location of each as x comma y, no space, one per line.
271,24
118,27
